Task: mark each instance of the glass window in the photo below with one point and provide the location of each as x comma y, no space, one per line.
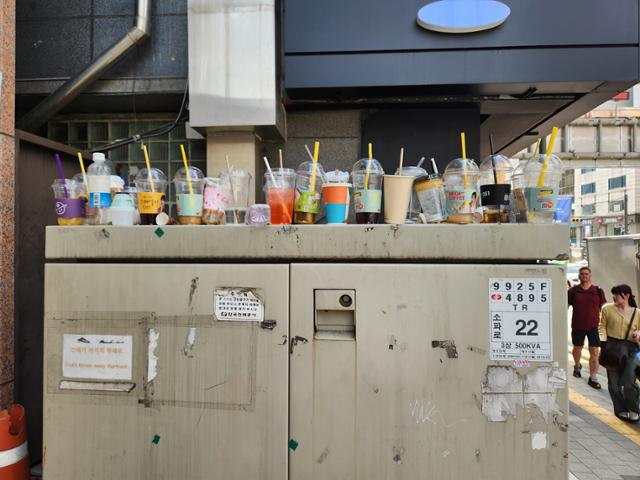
616,206
587,170
618,182
588,188
589,209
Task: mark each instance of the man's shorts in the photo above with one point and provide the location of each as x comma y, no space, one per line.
577,337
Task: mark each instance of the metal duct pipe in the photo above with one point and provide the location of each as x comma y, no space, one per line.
75,86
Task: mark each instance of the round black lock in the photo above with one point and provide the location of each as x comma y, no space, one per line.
346,300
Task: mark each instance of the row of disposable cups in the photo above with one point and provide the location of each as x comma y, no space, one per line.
289,205
211,200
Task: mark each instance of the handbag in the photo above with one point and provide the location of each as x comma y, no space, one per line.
615,352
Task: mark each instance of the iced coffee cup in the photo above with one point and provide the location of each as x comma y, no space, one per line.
69,202
151,194
189,195
430,192
461,193
309,181
367,190
281,194
397,195
495,188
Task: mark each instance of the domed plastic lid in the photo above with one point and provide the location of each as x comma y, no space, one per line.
307,168
461,164
362,164
156,174
337,176
502,164
195,175
553,162
411,171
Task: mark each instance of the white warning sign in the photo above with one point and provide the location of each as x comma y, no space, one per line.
97,357
520,319
237,304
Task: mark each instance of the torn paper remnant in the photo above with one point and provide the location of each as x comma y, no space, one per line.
152,365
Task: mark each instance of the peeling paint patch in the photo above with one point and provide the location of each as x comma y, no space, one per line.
505,389
538,440
478,350
189,342
152,366
448,345
397,455
192,290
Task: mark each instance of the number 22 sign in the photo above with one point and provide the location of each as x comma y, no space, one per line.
520,319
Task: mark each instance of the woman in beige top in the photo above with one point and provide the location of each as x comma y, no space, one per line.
614,324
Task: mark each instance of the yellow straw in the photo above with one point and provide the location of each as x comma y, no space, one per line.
316,152
146,159
84,174
186,168
366,176
545,164
537,149
464,157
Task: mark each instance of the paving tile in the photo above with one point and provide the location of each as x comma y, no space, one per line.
579,468
587,476
606,474
627,469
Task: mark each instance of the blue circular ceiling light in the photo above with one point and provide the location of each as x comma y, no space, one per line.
462,16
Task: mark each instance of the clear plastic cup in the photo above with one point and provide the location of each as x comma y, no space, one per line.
239,186
258,214
461,191
430,192
542,185
413,213
309,181
367,178
280,195
189,195
151,194
69,198
494,197
216,200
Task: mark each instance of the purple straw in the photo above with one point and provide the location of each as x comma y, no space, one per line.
61,173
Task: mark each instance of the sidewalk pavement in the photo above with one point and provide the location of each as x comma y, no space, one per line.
601,446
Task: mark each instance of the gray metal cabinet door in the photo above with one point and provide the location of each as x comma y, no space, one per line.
411,392
204,398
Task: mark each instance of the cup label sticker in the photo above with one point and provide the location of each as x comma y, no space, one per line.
542,199
150,202
367,200
308,202
215,198
492,195
461,200
70,207
99,199
189,205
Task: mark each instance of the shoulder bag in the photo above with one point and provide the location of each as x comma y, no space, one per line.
615,352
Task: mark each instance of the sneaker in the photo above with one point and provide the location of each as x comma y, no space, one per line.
623,416
595,384
634,417
576,371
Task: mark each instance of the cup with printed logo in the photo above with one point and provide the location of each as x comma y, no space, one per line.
461,191
281,194
367,177
541,178
216,199
69,202
309,180
189,195
495,188
151,188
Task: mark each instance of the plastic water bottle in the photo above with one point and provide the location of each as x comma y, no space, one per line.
99,178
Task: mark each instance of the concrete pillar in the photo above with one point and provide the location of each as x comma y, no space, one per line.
7,199
242,147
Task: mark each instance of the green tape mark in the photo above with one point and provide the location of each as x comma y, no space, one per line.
159,232
156,439
293,444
